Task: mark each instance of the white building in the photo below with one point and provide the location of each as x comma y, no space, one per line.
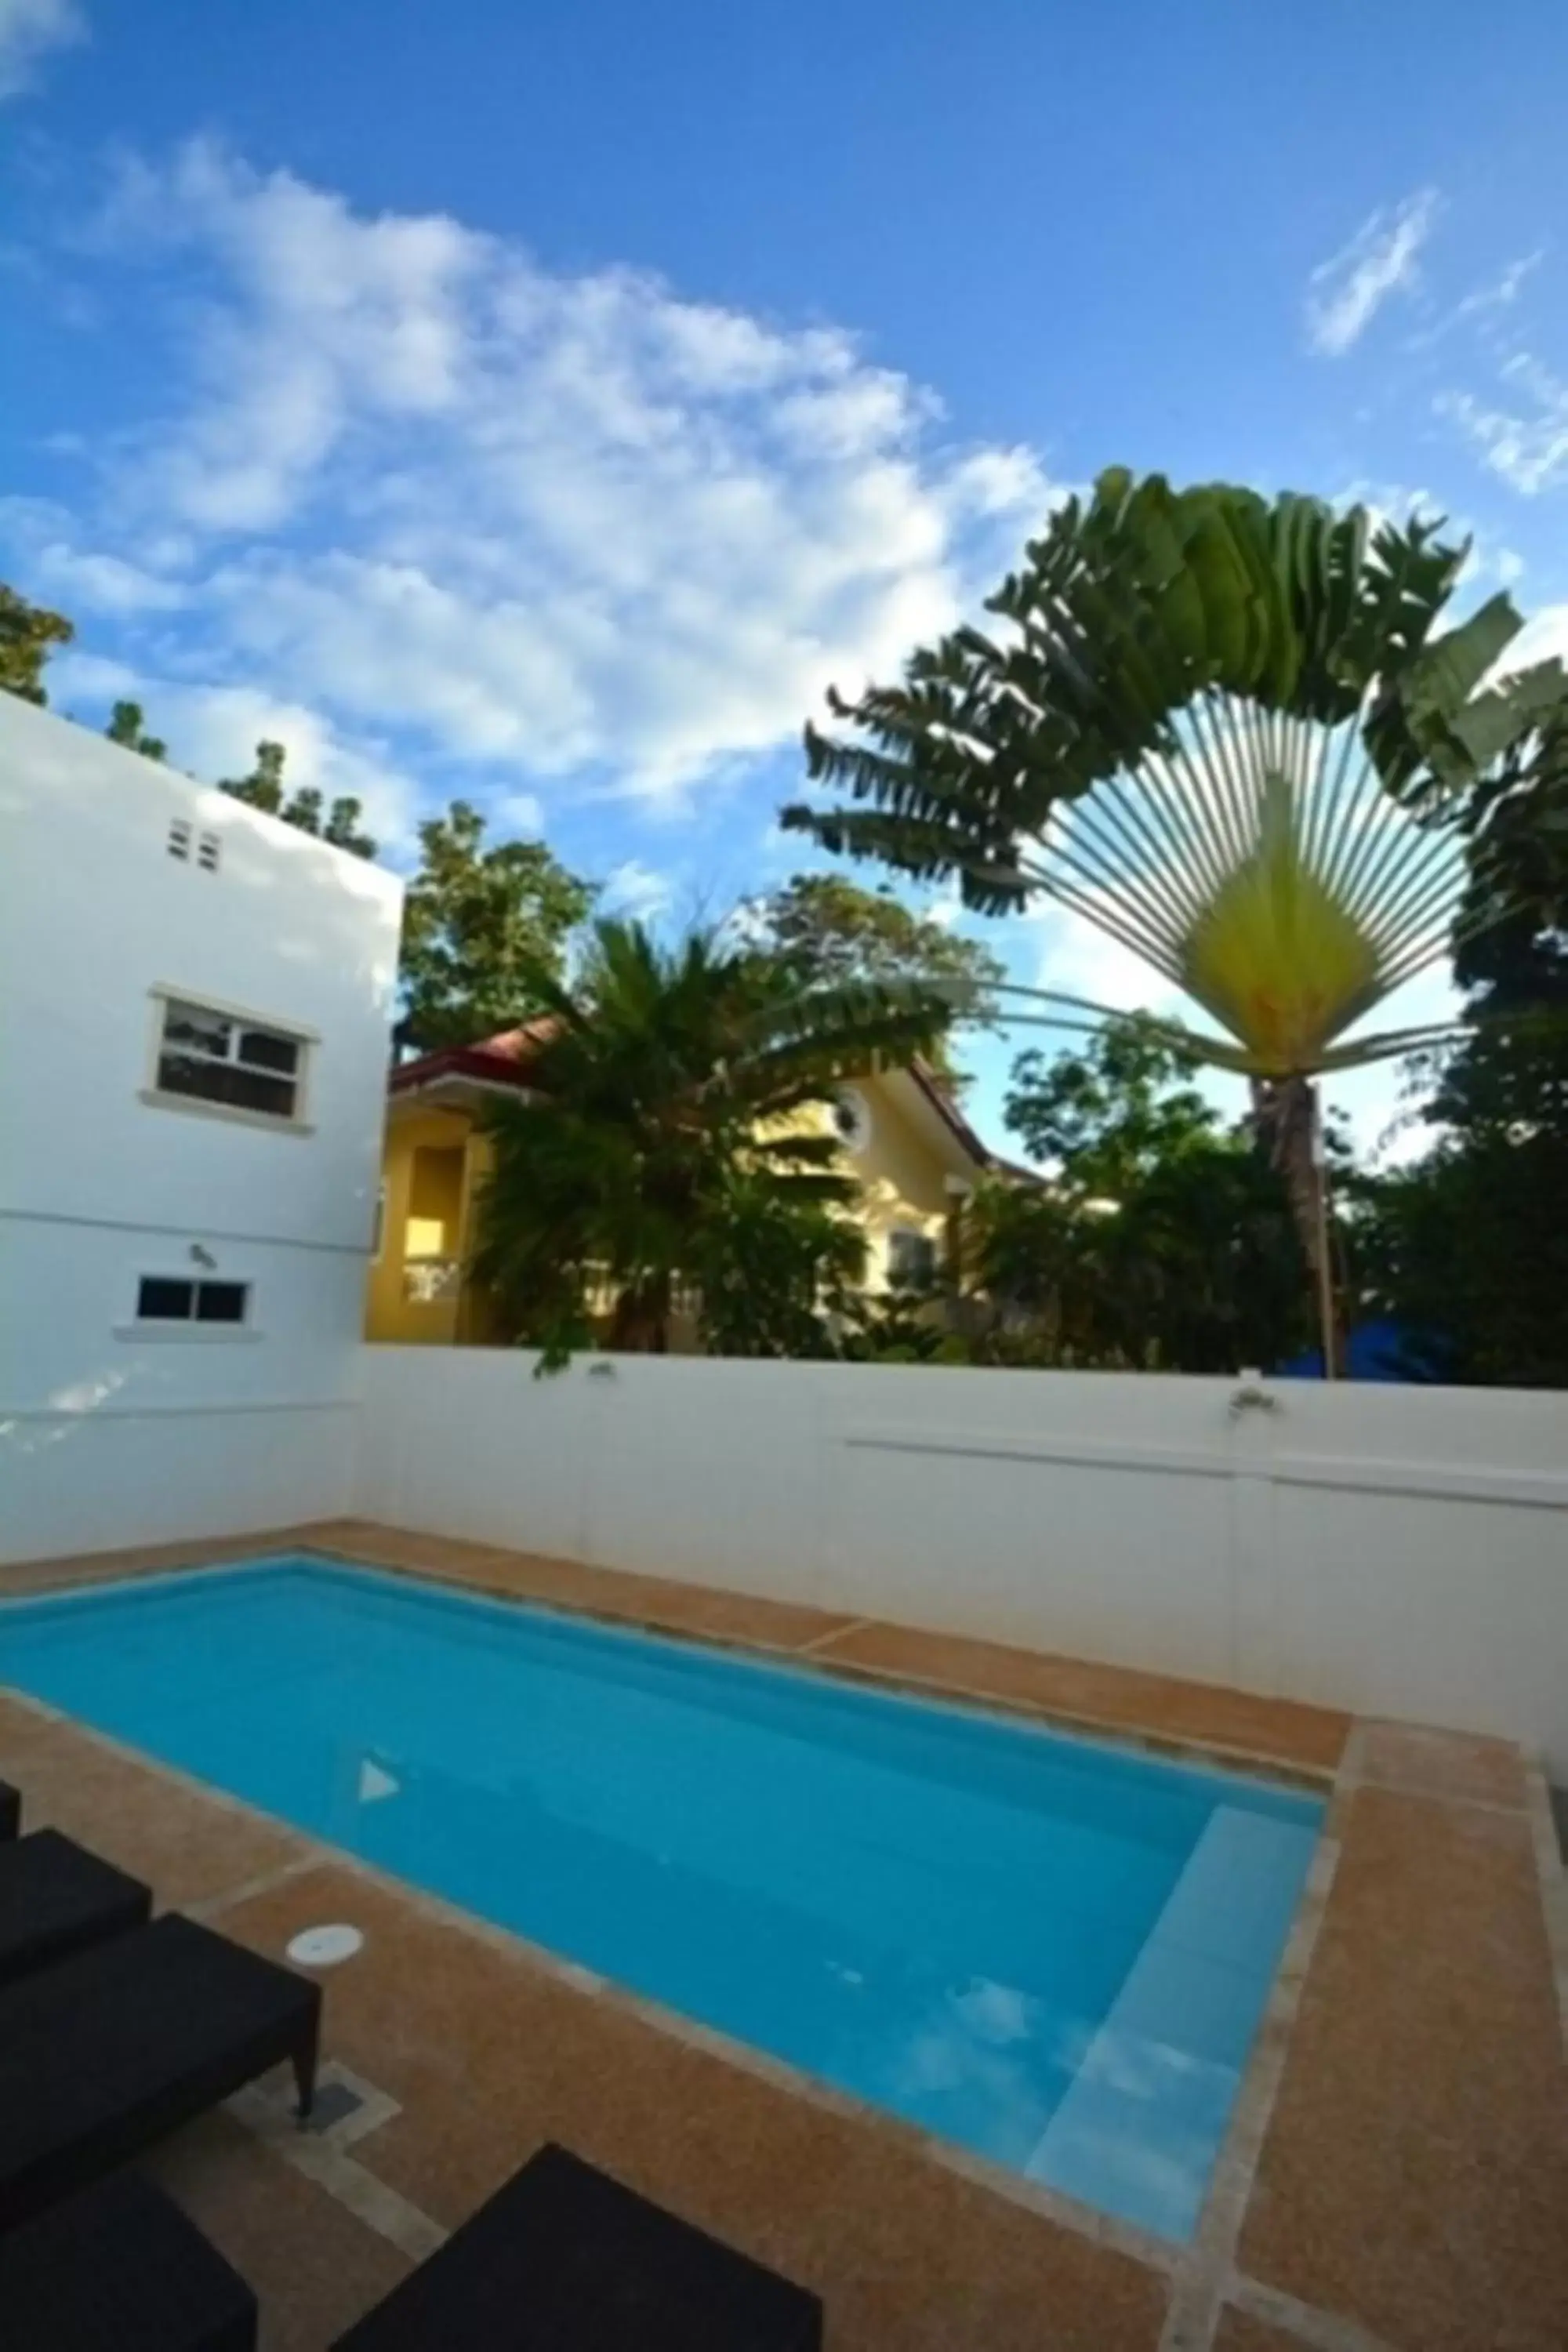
194,1010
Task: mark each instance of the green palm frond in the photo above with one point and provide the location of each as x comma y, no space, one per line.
1229,732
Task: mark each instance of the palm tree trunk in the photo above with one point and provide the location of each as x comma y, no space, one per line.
1289,1120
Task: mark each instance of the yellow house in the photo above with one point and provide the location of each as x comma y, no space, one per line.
916,1158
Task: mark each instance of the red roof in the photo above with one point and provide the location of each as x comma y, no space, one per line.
502,1061
498,1061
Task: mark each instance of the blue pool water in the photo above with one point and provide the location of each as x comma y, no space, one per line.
1048,1949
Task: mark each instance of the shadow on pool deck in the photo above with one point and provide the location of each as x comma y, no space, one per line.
1397,2172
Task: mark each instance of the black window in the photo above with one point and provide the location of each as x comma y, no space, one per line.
159,1299
220,1302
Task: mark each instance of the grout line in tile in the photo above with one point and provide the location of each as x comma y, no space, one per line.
1317,2331
212,1907
353,2186
821,1641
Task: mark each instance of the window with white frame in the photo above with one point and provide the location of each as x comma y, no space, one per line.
226,1057
174,1299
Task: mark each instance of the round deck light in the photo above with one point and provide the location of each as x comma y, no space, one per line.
325,1947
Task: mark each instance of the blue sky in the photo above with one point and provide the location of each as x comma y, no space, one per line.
543,404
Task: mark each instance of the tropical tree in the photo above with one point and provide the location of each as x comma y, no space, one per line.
1113,1111
774,1270
1163,1237
1229,732
836,932
1467,1247
128,725
483,921
28,635
265,789
667,1146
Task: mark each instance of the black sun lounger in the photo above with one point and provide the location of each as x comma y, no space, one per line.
55,1898
10,1809
563,2258
112,2048
119,2269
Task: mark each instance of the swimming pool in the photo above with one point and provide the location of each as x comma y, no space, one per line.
1049,1949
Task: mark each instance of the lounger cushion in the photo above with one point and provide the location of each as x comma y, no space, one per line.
563,2258
55,1898
10,1809
110,2050
119,2269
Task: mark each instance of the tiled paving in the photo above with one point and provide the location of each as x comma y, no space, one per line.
1395,2180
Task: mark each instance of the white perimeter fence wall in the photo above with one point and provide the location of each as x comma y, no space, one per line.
1394,1551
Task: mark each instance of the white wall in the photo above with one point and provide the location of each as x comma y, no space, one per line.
1393,1551
107,1436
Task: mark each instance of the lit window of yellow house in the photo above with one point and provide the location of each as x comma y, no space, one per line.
914,1154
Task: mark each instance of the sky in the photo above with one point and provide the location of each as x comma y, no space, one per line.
544,405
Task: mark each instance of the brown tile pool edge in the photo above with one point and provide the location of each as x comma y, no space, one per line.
819,1653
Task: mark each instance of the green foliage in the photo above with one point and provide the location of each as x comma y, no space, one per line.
28,633
773,1271
836,932
897,1326
484,931
265,789
1467,1247
1113,1111
1163,1239
127,726
665,1152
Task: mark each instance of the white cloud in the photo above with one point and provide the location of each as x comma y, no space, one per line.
1079,960
636,891
42,534
1545,634
545,523
1528,449
509,813
1502,291
1345,292
28,30
1487,310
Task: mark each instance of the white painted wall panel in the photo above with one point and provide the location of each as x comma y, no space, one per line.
95,1482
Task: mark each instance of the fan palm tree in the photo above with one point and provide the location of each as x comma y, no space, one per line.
662,1145
1229,732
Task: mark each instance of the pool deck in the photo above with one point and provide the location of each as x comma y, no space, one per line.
1396,2172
